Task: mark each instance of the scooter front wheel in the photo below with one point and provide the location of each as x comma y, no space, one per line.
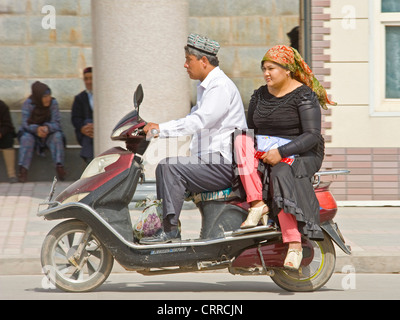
74,259
313,276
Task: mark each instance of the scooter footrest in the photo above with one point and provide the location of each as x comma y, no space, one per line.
240,232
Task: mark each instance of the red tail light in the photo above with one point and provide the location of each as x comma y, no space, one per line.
327,203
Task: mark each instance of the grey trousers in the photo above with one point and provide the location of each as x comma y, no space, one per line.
176,175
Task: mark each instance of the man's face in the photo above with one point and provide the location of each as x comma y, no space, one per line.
194,67
88,80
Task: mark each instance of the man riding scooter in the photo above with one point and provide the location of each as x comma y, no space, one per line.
211,122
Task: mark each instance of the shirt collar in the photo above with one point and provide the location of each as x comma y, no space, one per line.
212,75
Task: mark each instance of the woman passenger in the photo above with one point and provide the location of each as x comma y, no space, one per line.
289,107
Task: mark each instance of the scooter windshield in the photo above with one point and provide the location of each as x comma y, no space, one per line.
126,125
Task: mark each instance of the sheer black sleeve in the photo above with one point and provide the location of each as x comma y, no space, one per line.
250,112
310,119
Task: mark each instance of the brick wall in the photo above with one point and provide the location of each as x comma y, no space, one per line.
30,52
374,171
246,29
319,31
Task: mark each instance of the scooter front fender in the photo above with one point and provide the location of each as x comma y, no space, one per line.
84,213
72,210
332,229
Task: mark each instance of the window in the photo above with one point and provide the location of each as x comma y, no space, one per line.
390,6
385,57
392,62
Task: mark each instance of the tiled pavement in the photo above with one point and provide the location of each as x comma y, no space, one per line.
372,232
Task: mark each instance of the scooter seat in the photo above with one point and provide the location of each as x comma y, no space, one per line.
223,195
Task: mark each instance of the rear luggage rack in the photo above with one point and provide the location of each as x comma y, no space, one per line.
317,176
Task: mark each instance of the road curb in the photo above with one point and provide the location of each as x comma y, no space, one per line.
368,264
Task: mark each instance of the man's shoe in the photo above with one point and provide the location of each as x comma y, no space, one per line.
13,180
23,174
60,172
162,237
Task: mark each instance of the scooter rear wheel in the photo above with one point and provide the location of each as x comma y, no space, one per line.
313,276
61,268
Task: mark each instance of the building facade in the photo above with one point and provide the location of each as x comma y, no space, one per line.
351,45
355,52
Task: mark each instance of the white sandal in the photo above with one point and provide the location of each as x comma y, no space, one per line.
293,259
255,215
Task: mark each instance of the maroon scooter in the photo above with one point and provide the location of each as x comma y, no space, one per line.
78,254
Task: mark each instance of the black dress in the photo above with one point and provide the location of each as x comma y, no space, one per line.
295,116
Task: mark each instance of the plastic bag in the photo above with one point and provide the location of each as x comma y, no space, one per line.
150,220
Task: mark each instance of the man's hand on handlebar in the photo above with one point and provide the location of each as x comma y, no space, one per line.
151,130
150,126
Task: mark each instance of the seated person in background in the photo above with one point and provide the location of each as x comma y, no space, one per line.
7,135
82,117
41,128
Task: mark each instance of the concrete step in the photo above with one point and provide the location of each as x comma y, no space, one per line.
43,169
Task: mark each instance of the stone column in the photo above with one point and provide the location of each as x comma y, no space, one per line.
138,41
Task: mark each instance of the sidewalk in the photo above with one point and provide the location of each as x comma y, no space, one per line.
372,232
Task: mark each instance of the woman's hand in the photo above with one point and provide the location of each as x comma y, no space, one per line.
271,157
42,131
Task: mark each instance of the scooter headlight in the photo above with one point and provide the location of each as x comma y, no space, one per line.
98,165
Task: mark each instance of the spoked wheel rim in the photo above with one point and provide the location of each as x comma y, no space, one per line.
74,259
67,267
313,275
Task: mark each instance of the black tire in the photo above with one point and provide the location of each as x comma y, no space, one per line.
313,276
60,243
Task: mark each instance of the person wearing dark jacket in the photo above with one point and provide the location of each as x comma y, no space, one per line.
7,135
82,117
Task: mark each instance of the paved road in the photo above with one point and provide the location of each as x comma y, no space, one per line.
204,286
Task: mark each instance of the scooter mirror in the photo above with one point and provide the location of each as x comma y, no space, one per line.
138,97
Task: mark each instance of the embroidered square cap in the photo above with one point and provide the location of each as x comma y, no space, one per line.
203,44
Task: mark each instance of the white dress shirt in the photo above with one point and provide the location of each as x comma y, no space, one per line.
90,97
219,110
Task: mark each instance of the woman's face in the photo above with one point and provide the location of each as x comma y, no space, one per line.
46,100
274,75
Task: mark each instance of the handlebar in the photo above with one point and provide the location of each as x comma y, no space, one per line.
153,133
